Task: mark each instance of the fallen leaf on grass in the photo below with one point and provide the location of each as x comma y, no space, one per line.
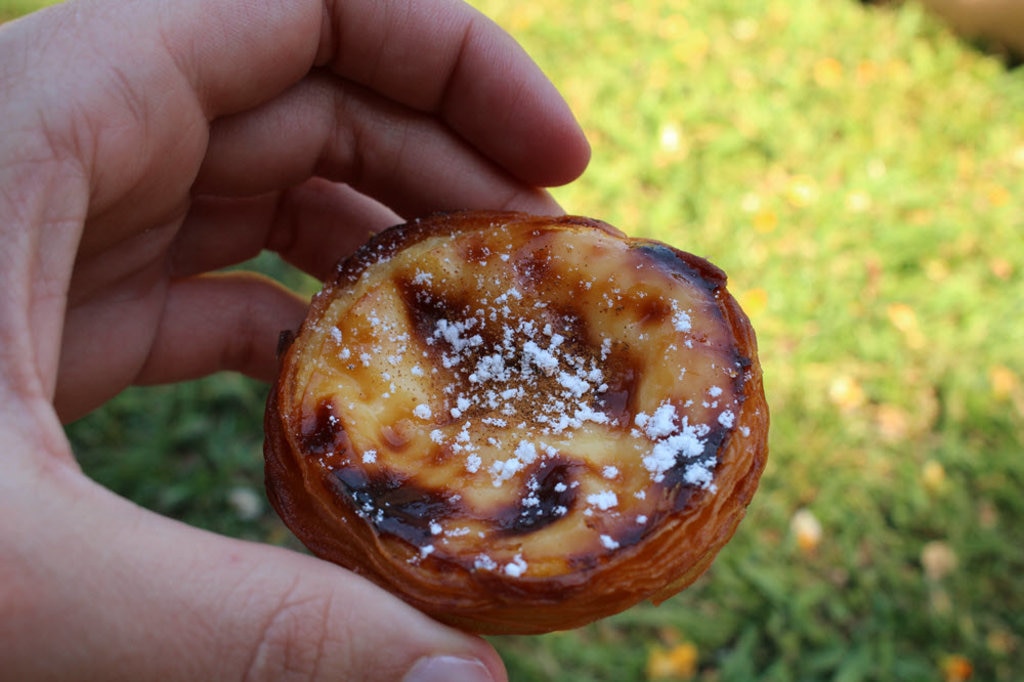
765,220
933,476
903,317
828,72
938,560
956,668
846,393
754,301
676,663
1003,380
806,529
998,196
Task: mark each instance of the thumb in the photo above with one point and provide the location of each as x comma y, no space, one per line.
109,591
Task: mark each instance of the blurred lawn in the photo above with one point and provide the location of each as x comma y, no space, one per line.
860,175
10,9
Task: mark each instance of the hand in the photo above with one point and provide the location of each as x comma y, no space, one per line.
144,144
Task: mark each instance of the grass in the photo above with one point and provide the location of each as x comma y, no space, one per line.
860,174
10,9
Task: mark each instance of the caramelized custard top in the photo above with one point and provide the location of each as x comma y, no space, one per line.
518,402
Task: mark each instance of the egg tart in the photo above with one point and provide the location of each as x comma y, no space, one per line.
518,424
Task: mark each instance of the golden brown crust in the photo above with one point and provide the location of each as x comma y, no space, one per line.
518,424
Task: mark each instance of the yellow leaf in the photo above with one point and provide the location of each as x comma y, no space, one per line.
765,220
903,317
933,476
677,663
998,195
828,72
1001,267
753,301
956,668
846,393
1004,382
867,72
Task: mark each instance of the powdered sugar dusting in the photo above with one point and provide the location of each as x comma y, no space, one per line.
517,567
512,373
509,387
681,321
675,442
604,500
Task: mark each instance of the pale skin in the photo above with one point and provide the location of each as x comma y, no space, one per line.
145,144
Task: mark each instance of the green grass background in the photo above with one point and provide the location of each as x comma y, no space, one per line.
859,173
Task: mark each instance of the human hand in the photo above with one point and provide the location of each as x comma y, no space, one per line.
145,144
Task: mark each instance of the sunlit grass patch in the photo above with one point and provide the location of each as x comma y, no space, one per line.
858,174
9,9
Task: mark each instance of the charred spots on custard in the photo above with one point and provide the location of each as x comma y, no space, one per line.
691,268
582,562
285,339
321,432
549,495
394,504
423,309
683,490
533,267
622,376
396,436
381,246
653,310
569,320
507,354
679,449
449,327
475,249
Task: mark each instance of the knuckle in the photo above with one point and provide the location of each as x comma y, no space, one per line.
298,640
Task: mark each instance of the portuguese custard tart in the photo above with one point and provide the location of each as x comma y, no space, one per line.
518,424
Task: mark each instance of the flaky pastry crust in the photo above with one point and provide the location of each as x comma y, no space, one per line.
518,424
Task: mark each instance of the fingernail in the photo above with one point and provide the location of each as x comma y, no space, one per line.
448,669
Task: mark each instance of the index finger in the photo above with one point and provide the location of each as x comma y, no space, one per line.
437,56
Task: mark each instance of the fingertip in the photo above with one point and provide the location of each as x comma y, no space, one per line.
449,669
345,627
575,157
534,201
501,101
561,155
259,612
